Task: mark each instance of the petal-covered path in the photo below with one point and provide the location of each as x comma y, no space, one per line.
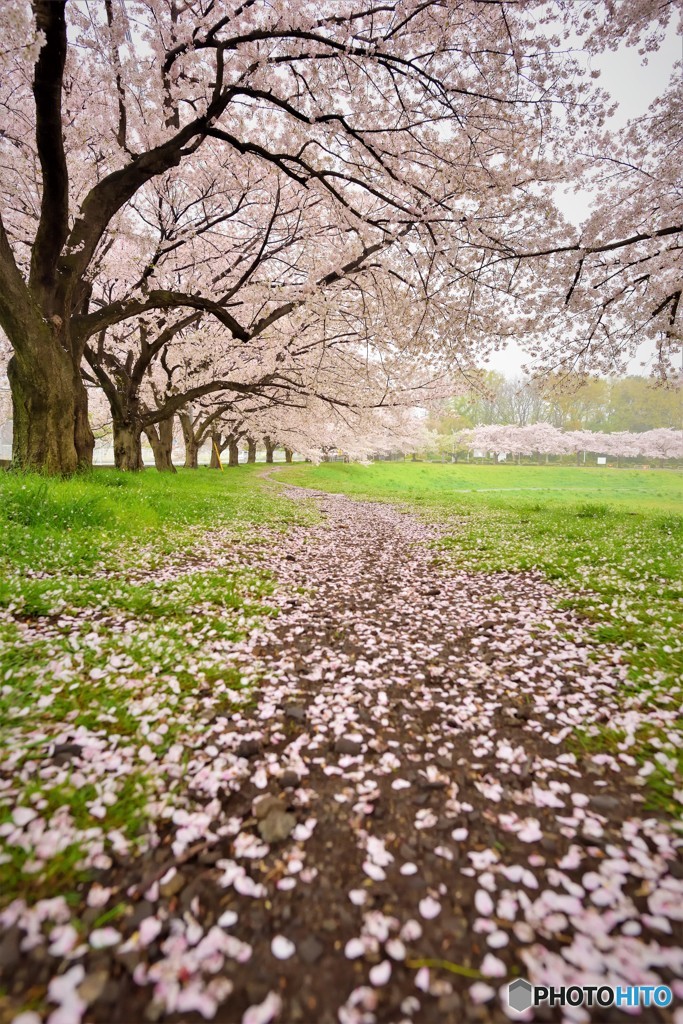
398,824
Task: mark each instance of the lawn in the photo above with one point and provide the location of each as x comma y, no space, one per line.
119,598
611,538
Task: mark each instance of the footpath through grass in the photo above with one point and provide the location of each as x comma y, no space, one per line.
611,538
120,595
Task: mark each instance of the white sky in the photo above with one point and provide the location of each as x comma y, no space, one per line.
634,86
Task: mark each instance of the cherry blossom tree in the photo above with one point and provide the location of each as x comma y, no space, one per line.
548,440
395,138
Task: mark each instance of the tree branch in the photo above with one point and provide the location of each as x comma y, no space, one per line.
116,312
54,206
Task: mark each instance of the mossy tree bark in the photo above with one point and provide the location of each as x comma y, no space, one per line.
52,433
251,450
128,445
192,444
218,446
160,437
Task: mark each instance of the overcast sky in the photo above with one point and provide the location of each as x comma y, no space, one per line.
634,86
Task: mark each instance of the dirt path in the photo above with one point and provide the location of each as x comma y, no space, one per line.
399,826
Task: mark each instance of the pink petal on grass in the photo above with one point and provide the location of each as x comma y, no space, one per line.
422,979
149,929
492,967
353,949
395,949
22,815
483,903
102,938
63,938
480,992
429,908
380,973
282,948
98,895
265,1012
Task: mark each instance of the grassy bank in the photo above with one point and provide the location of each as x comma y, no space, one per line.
611,538
120,596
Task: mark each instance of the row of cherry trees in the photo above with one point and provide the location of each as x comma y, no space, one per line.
545,439
312,428
331,206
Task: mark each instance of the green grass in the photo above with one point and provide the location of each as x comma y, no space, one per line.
612,538
117,591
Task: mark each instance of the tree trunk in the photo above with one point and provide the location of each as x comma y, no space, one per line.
191,446
251,450
288,454
127,445
270,448
191,455
233,454
161,439
215,449
50,412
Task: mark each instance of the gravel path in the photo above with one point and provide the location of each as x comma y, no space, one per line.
399,824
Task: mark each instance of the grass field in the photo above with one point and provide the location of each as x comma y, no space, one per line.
121,592
612,538
116,591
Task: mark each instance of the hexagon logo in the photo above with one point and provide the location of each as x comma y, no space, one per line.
520,995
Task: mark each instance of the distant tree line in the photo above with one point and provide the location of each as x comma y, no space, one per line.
596,404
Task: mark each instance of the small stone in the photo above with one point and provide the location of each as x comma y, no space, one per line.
347,746
450,1005
310,949
296,712
209,857
249,748
92,986
9,948
172,886
154,1011
432,783
277,826
605,803
129,959
289,780
268,804
111,993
